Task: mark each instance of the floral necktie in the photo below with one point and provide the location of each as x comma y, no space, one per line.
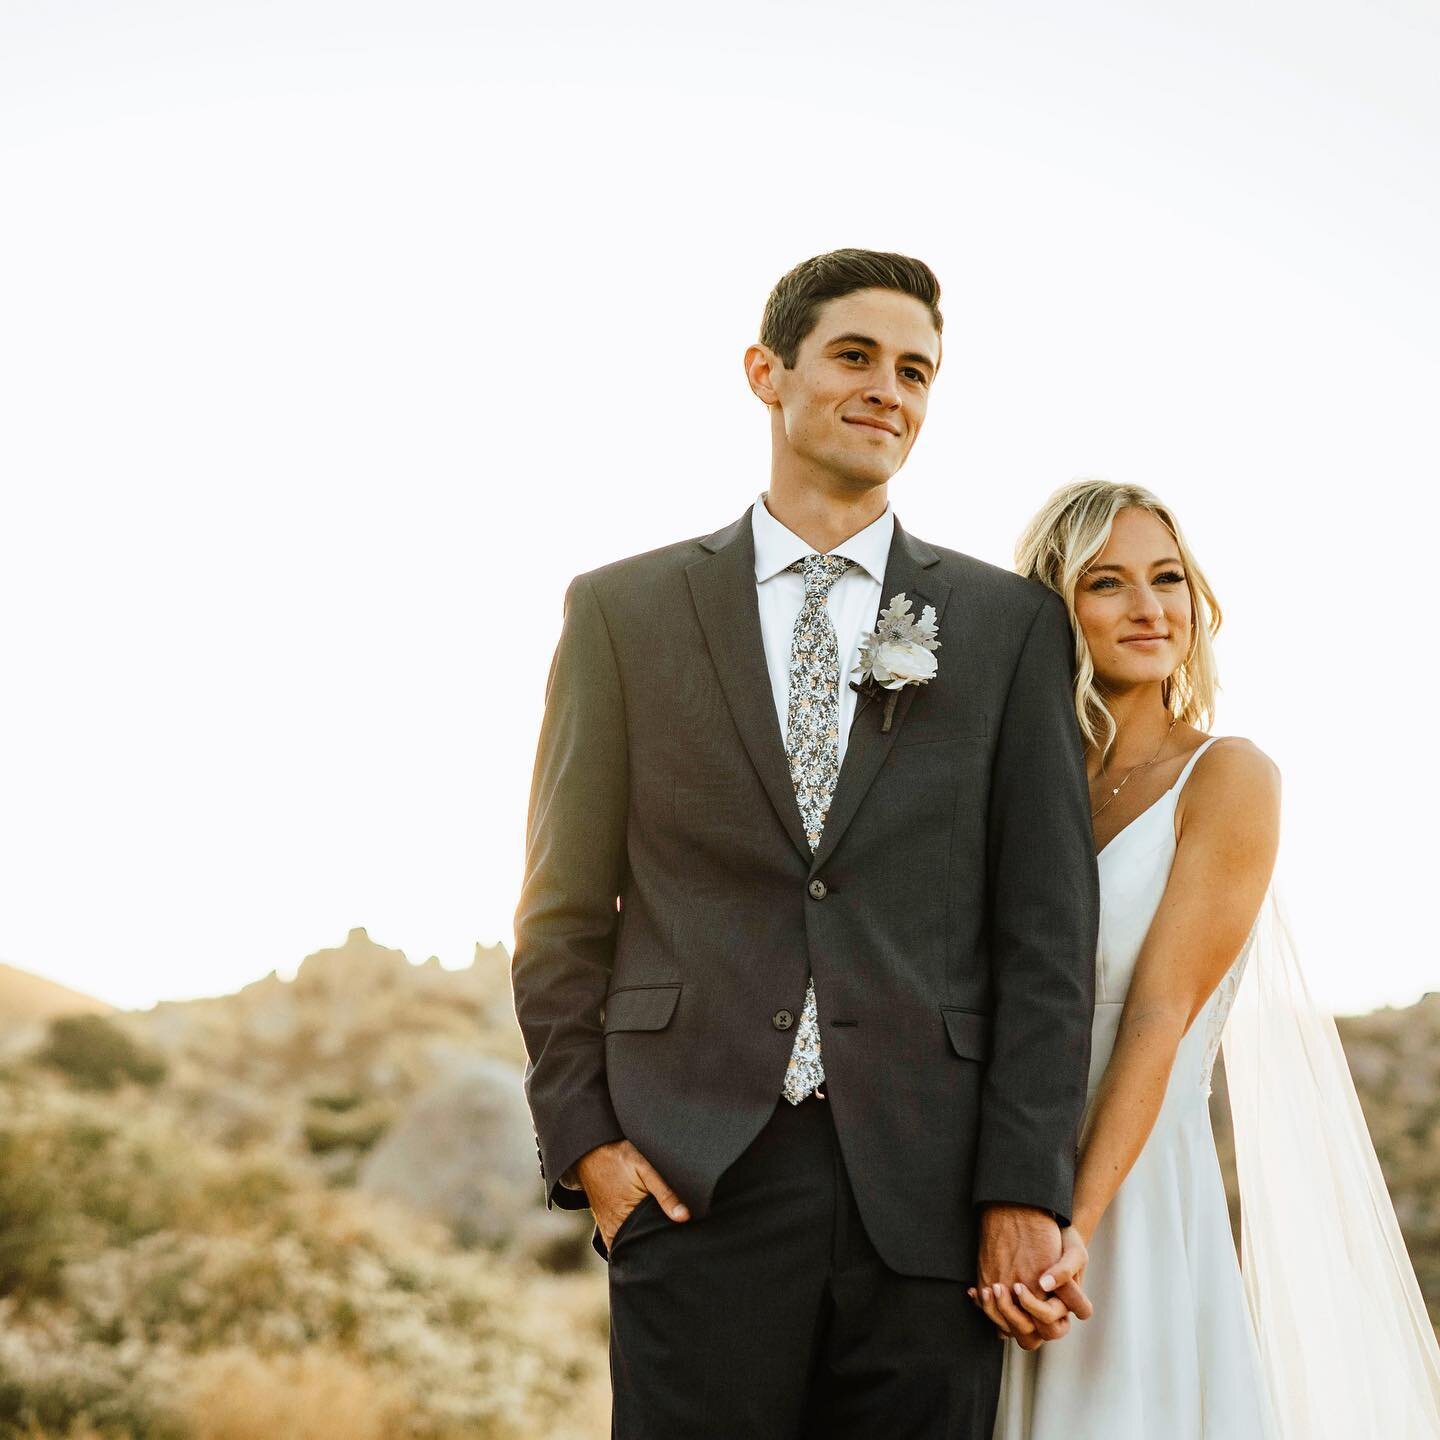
812,742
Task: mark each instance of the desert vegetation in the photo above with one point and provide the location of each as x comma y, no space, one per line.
188,1252
311,1211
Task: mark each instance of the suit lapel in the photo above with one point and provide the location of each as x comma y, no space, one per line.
867,747
723,586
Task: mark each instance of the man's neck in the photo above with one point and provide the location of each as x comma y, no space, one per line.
822,519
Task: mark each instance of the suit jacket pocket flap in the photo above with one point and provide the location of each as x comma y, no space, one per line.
641,1007
969,1032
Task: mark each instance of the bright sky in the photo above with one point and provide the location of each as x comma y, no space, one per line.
338,336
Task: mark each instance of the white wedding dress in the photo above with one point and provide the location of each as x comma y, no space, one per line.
1171,1350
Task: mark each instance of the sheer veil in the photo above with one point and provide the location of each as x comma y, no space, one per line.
1345,1342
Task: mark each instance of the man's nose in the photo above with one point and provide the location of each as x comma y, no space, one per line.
884,391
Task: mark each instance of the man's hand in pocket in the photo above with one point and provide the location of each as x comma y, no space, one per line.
616,1178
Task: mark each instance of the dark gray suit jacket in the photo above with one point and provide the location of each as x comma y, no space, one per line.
672,909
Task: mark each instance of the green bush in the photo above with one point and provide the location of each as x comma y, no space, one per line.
97,1054
339,1102
327,1130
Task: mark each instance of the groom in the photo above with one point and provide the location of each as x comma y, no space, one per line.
806,981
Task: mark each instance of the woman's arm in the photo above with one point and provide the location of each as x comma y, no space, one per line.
1229,833
1229,818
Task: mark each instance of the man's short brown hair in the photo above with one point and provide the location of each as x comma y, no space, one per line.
794,303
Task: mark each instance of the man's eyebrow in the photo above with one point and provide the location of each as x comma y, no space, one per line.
872,344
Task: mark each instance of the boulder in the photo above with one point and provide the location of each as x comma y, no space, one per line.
463,1151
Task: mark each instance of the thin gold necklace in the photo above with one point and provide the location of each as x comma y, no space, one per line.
1145,766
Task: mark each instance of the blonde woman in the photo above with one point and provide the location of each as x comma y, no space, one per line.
1325,1335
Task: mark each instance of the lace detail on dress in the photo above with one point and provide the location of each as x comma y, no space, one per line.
1221,1005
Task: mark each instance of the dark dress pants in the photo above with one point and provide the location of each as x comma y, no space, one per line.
773,1318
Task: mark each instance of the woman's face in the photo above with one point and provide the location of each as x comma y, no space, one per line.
1133,604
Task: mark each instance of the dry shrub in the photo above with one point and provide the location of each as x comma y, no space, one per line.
178,1252
153,1284
359,1127
315,1395
98,1054
33,1231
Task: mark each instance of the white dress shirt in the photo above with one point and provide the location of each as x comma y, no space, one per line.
853,601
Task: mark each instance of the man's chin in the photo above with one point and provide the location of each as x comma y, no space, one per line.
867,477
857,471
868,467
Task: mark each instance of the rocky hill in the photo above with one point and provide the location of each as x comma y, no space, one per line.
403,1080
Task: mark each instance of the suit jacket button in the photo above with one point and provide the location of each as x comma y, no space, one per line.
817,888
782,1019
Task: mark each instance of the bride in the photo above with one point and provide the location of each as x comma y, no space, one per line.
1325,1334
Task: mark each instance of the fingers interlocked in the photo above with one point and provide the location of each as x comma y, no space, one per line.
1018,1313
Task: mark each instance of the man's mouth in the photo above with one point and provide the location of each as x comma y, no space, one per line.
873,424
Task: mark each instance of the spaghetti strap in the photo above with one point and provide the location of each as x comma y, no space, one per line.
1200,749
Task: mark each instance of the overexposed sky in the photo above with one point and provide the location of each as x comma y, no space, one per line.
336,337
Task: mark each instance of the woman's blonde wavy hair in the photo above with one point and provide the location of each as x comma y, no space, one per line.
1057,547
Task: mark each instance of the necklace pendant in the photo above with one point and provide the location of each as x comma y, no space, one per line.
1115,791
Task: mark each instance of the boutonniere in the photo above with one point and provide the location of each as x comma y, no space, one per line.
898,652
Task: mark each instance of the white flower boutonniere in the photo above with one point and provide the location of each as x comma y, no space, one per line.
898,652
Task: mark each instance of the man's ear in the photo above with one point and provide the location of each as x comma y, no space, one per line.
760,363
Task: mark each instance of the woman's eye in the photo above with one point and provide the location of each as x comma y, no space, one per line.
1170,577
1105,582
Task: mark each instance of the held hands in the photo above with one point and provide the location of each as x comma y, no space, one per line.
616,1178
1030,1275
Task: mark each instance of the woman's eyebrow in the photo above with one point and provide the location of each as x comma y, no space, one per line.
1091,569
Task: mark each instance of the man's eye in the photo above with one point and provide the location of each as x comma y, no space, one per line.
918,376
852,355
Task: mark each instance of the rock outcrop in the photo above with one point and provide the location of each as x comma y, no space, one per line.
464,1152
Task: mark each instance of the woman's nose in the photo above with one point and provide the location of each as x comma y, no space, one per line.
1145,604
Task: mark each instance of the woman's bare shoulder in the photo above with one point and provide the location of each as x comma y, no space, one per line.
1235,780
1237,755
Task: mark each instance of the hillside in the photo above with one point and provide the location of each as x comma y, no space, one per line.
27,997
312,1208
157,1286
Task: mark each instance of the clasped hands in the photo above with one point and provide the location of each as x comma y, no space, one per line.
1030,1273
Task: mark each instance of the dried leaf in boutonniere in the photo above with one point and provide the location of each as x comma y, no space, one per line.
897,653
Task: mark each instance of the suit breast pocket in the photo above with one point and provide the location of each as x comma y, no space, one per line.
971,731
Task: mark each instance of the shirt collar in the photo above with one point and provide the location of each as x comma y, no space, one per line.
777,546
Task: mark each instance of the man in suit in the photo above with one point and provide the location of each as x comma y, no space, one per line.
806,980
